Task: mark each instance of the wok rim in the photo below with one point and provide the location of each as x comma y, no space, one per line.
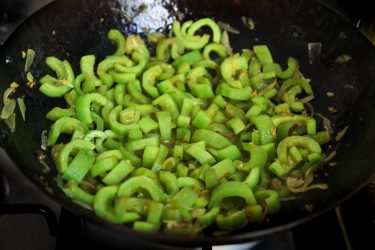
165,238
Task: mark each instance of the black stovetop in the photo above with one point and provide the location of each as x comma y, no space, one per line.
350,226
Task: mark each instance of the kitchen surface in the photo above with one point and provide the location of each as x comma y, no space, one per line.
350,226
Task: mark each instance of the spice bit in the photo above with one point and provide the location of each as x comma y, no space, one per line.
14,85
31,84
309,207
332,163
342,35
29,77
40,155
330,94
344,58
53,32
332,110
10,121
180,16
63,82
30,80
101,20
251,24
49,190
248,22
348,86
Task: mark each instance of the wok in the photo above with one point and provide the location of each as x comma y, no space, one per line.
70,29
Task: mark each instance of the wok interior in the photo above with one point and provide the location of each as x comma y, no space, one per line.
287,27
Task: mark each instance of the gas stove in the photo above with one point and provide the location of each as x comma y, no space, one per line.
349,226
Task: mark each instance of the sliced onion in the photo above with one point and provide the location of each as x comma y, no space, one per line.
341,134
330,156
306,99
8,92
11,122
305,187
326,122
22,107
8,109
44,140
296,182
227,27
225,42
267,88
30,54
311,108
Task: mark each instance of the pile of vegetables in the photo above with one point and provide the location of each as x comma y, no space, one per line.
192,137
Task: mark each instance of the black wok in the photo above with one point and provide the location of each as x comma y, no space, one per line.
70,29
